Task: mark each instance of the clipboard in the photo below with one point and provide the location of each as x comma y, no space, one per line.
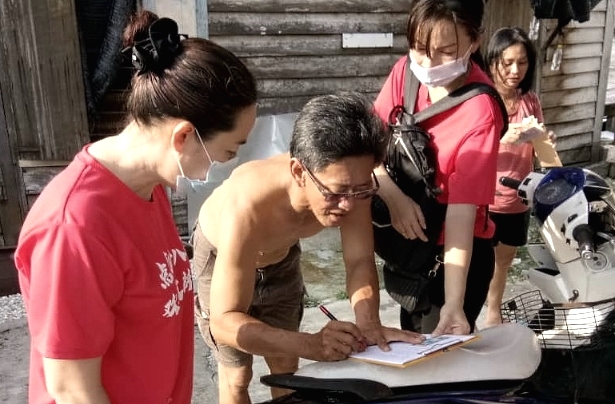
404,354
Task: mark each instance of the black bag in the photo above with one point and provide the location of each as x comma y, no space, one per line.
411,163
564,10
409,289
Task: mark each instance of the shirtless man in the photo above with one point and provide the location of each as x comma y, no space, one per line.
249,284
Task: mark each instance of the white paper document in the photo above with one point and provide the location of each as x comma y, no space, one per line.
403,354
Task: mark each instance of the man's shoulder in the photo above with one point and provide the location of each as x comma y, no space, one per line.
253,186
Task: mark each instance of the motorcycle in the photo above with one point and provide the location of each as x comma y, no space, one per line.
557,343
572,310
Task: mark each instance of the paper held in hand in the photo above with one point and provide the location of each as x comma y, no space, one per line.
533,129
543,147
403,354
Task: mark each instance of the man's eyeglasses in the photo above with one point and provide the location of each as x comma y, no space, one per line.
337,196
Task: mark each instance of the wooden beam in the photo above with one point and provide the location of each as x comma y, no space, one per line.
300,45
569,97
37,178
572,66
581,51
599,7
584,35
572,128
272,88
304,24
311,6
43,163
314,66
574,141
570,81
274,106
567,114
581,155
12,203
604,79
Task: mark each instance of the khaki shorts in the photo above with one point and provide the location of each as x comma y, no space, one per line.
277,300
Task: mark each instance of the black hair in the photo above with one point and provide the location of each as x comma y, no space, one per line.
502,39
426,14
202,82
332,127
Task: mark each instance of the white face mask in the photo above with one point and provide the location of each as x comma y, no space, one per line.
441,75
184,185
197,191
217,173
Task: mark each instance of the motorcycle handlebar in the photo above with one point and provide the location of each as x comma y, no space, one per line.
583,234
510,182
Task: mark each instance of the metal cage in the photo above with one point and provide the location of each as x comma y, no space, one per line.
563,326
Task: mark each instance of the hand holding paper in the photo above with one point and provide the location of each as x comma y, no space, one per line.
526,131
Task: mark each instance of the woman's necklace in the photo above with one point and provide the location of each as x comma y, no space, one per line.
511,102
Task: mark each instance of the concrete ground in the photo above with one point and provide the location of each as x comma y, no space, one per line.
14,345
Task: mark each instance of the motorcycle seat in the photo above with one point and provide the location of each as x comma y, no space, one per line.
352,389
510,351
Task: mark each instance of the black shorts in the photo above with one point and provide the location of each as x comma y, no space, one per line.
510,228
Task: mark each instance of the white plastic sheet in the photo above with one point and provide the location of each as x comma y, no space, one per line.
270,136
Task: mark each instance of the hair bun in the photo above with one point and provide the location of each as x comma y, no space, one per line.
158,50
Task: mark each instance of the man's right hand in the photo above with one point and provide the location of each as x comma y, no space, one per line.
336,341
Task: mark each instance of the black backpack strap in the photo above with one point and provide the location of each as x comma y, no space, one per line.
459,96
411,89
464,93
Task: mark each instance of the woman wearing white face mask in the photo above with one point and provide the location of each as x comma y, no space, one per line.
443,34
106,281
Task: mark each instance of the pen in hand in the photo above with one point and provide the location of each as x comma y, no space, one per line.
327,313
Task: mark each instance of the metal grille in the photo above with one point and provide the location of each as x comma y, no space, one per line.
571,326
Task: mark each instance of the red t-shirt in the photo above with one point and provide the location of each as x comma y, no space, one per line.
516,160
465,138
103,273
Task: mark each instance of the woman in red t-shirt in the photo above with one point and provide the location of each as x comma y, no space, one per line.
511,58
442,36
105,278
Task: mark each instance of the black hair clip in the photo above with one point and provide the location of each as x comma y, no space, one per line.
158,50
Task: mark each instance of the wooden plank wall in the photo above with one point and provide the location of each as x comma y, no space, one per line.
42,105
573,97
41,83
294,47
505,13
